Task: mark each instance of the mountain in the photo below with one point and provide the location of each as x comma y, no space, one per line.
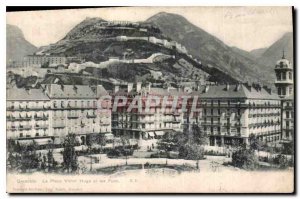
16,45
243,53
96,40
274,52
258,52
209,49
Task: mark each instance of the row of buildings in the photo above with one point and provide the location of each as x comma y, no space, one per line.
49,114
227,113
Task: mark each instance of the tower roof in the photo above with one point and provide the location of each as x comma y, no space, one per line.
283,63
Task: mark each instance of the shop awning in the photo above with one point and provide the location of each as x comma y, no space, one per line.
150,133
43,141
25,142
109,136
159,133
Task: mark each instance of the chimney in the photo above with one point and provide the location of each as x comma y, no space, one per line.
227,87
238,86
75,88
138,86
116,88
206,88
62,87
129,87
28,90
269,90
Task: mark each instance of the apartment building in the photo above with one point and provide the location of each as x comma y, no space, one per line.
27,116
231,113
75,110
143,125
49,114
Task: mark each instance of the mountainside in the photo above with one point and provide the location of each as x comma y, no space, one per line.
16,45
258,52
274,52
243,53
98,41
209,49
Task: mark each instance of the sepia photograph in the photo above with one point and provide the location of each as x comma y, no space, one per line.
150,100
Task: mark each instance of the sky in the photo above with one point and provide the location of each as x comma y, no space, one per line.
247,28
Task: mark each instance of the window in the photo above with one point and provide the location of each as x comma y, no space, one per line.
287,114
283,92
279,91
283,76
21,135
212,120
290,75
211,129
204,111
290,90
219,111
212,111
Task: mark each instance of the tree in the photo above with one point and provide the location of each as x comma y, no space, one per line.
29,158
45,65
199,137
125,142
69,154
102,141
254,142
244,158
191,152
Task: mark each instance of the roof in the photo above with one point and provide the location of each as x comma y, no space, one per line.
283,63
152,91
20,94
249,92
57,91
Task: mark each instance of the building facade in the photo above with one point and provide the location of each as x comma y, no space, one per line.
285,89
231,113
143,125
51,113
40,60
27,116
75,110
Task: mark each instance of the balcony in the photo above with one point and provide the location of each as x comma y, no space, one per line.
12,128
38,118
16,119
58,126
73,116
25,127
284,81
91,116
41,126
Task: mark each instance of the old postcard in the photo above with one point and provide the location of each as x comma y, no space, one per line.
150,100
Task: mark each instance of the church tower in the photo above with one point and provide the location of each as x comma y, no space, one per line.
284,77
